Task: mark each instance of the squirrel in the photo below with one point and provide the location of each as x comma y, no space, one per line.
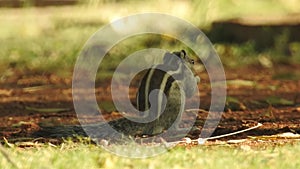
160,98
163,90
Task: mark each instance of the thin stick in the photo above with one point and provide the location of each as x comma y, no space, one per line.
215,137
234,133
225,135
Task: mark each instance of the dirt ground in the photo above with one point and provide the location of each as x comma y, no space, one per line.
256,95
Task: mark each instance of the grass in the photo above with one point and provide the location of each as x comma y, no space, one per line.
84,155
49,45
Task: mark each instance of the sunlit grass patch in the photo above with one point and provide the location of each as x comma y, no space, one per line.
85,155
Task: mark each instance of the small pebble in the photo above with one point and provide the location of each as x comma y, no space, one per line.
104,142
187,140
201,141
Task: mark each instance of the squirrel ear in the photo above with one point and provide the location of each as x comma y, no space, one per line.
182,54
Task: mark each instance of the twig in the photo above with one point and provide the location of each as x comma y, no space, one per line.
234,133
202,140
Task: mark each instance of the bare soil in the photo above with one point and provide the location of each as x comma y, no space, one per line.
28,102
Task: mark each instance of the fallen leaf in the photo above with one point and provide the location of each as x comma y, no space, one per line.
274,100
47,110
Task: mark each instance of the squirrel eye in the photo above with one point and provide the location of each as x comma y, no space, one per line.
192,61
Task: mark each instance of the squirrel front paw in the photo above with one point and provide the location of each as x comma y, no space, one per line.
197,79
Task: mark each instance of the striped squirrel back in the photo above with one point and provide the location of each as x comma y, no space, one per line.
163,89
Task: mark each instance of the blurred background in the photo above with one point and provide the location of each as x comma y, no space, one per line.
45,36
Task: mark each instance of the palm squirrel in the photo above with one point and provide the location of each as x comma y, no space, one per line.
160,98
